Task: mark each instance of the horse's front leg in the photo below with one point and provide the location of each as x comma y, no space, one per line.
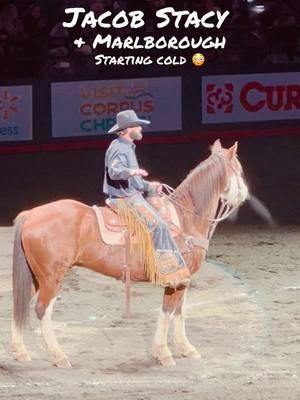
182,345
160,348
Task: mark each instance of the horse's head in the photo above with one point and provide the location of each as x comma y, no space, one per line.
235,190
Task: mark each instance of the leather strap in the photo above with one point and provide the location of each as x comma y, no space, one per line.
199,242
195,241
126,273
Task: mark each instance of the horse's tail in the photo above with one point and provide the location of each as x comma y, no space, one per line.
22,277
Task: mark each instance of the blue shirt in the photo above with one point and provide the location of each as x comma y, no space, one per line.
120,158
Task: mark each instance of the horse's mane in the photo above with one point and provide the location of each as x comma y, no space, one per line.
202,183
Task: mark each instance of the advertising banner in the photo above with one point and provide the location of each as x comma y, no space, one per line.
15,113
89,108
257,97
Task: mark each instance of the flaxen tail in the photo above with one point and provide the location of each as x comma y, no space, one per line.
22,278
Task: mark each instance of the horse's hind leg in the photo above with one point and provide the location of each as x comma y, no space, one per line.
182,345
160,348
44,309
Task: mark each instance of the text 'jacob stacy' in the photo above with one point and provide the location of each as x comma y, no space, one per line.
134,19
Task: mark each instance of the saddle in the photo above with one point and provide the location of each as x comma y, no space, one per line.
113,230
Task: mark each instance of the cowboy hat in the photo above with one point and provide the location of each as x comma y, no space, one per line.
127,119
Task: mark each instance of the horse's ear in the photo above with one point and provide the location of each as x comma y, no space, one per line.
216,146
233,150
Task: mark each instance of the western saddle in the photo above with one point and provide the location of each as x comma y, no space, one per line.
113,230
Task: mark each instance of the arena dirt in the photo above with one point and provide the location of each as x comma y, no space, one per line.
242,313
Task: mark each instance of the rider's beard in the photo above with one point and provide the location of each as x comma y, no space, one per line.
136,134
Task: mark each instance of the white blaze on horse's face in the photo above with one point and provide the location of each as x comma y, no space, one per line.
237,191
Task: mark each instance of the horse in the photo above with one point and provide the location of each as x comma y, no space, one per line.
52,238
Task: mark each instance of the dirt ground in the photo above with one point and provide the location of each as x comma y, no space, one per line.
242,314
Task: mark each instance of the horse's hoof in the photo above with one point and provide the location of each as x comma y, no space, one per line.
193,354
168,362
24,357
188,352
62,363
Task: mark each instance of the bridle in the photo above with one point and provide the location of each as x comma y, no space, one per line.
226,209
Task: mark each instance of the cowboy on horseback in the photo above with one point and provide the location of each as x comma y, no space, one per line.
54,237
123,179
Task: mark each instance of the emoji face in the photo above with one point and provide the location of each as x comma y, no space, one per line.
198,59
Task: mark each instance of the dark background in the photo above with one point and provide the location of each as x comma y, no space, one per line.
36,51
271,166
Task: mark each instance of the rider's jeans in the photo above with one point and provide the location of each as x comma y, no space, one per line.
162,239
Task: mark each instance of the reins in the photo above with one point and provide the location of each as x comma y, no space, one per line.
223,212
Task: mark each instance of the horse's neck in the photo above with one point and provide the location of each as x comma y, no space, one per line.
191,222
198,195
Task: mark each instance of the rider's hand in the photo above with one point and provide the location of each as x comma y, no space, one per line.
156,187
138,172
